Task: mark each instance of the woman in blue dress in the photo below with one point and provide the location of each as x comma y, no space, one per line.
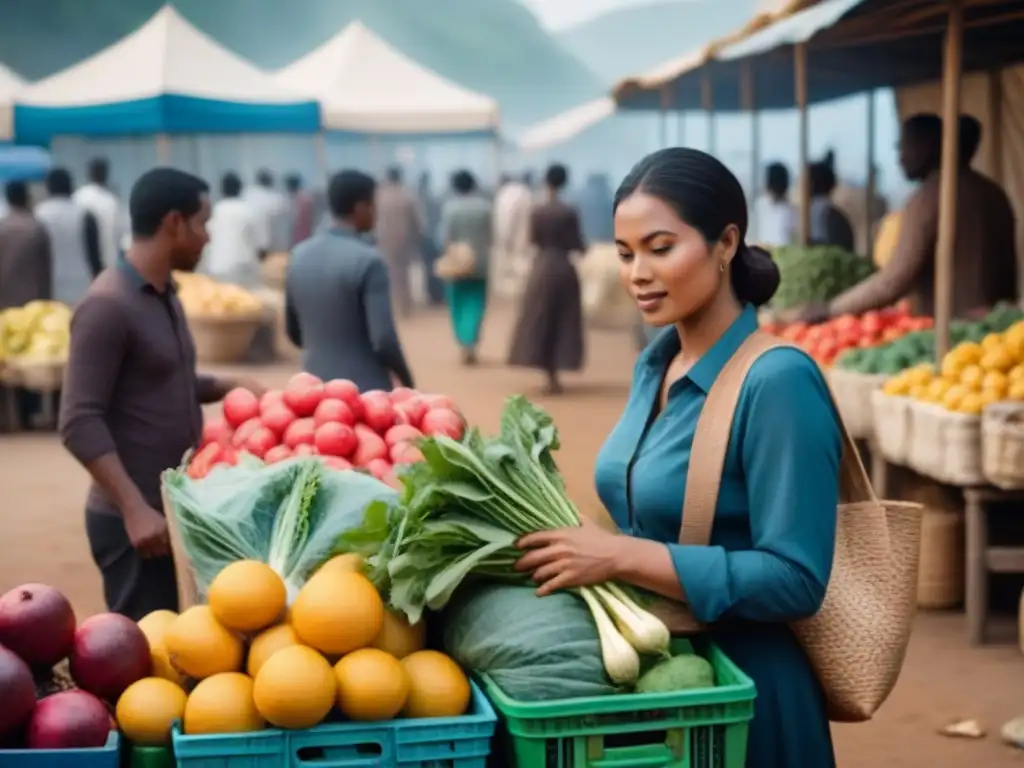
680,222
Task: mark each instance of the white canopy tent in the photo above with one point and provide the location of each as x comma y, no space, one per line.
10,85
366,86
566,125
167,92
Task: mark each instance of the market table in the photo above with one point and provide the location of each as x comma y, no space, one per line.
983,558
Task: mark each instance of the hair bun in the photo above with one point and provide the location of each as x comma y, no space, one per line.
755,277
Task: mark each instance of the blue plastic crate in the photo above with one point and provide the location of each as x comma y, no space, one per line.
449,742
107,756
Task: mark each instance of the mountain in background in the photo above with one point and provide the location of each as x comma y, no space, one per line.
496,47
635,38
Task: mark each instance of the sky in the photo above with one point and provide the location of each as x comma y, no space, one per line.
559,14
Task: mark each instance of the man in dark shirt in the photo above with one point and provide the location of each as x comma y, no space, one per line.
131,403
337,295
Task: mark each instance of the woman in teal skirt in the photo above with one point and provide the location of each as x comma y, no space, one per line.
466,217
680,222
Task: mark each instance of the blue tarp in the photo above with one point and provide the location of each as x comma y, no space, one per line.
167,114
25,163
852,46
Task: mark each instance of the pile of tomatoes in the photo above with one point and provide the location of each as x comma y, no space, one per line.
826,341
349,429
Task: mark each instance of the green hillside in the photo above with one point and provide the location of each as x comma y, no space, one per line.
493,46
638,37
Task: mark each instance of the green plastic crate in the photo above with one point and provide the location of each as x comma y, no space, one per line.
703,728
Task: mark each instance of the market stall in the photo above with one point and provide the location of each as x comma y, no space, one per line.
342,598
33,353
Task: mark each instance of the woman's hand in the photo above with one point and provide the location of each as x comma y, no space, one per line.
570,557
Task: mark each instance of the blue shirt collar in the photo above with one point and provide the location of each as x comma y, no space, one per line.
665,346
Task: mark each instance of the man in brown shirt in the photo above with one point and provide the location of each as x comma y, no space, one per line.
25,264
131,402
985,259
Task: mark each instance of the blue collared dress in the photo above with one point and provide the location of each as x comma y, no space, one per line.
775,522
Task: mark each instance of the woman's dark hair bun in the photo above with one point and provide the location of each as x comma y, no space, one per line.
755,276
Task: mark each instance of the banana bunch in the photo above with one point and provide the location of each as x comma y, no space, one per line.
38,331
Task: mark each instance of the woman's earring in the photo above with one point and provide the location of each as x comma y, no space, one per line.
721,266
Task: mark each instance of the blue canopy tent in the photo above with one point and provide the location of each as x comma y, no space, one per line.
168,93
23,163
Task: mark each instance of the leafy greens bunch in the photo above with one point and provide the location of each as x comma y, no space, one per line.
461,512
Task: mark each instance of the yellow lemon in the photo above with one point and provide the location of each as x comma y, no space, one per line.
972,376
971,404
1014,346
968,351
936,390
953,397
989,396
992,341
996,360
953,366
896,386
1016,373
1016,391
995,380
917,392
920,374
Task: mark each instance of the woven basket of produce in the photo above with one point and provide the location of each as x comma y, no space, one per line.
940,579
225,338
945,445
1002,445
852,393
41,375
892,425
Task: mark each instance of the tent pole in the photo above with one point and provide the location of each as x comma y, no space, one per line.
800,83
663,113
163,149
870,189
321,155
707,98
949,175
749,104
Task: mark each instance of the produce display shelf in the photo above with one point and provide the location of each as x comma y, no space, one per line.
448,742
700,728
107,756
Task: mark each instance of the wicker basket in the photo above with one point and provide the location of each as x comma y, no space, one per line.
38,375
945,446
852,393
1002,445
892,425
224,339
940,576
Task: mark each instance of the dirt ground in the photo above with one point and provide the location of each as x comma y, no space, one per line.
42,535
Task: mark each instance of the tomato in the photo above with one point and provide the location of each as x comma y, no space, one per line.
867,341
905,324
216,430
443,421
335,439
245,431
845,323
794,331
336,462
306,449
334,410
402,394
411,412
872,323
278,453
379,413
923,323
827,350
303,397
371,446
405,453
204,460
260,441
302,378
341,389
440,401
891,334
240,405
299,432
401,433
379,468
278,417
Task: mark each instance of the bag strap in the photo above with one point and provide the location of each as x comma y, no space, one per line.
711,441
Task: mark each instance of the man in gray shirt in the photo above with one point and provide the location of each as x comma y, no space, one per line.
130,406
337,295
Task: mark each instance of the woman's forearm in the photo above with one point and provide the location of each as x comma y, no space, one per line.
648,564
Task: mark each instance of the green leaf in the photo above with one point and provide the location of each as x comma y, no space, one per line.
444,584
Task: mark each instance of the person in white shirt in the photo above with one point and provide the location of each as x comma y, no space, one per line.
776,219
512,250
233,253
273,213
97,199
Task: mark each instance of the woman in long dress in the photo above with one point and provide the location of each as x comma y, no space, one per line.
549,334
467,218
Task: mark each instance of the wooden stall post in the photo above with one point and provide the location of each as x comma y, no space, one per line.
995,126
949,176
707,102
800,75
748,104
163,149
872,179
663,113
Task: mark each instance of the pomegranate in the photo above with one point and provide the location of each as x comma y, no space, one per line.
37,623
69,720
19,692
110,653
